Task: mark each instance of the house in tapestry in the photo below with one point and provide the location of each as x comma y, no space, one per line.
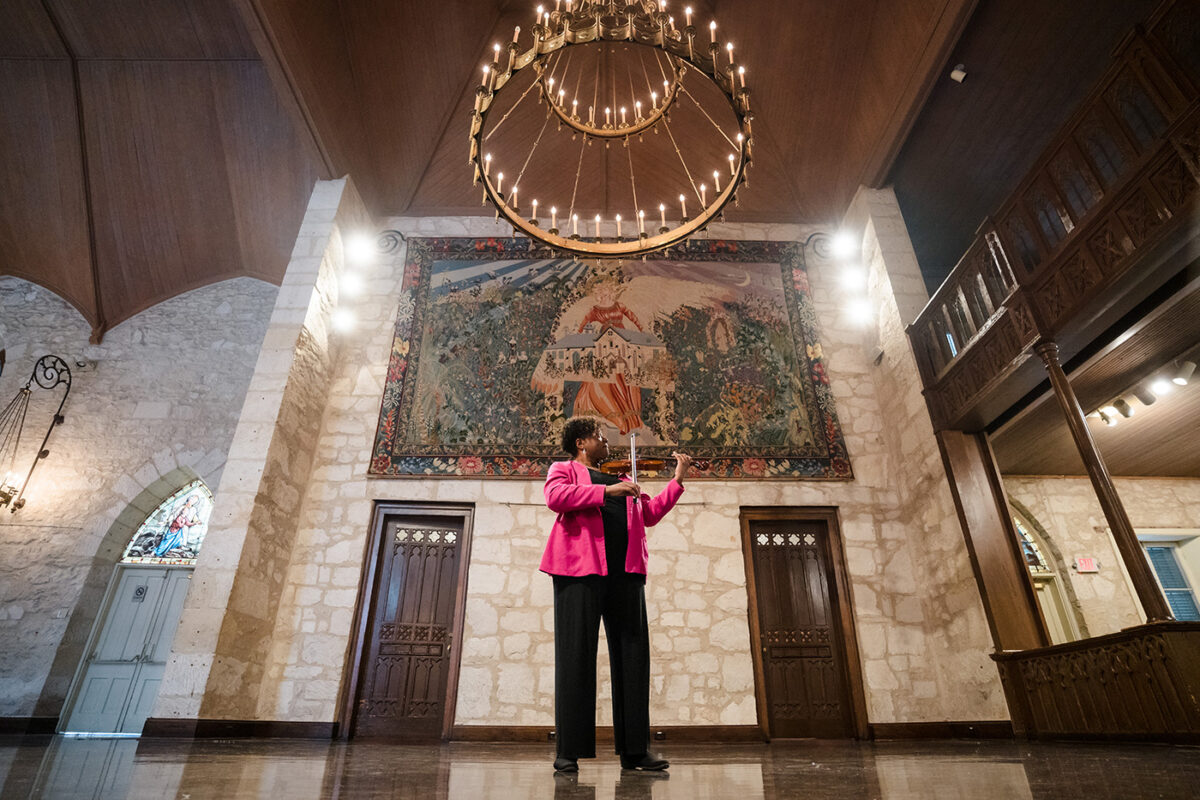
597,352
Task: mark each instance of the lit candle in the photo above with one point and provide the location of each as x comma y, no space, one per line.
637,109
703,195
716,181
557,3
712,31
729,50
562,97
486,70
607,117
618,226
622,115
499,182
742,76
538,18
597,229
731,169
641,221
575,224
550,83
516,33
662,213
739,139
653,100
547,19
534,211
575,108
591,116
514,202
487,163
553,217
495,54
683,206
688,14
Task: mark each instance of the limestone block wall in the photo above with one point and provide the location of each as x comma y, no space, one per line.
936,608
216,665
158,398
1069,517
920,623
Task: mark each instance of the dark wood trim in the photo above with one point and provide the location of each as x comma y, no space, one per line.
360,628
698,734
236,729
837,557
27,726
986,729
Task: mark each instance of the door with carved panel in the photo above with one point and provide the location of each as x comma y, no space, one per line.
408,659
804,680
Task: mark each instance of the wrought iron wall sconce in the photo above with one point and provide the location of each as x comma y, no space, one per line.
49,373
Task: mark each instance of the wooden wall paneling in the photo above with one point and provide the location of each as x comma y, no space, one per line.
165,220
43,212
1028,67
305,50
269,165
411,72
26,31
151,29
1004,585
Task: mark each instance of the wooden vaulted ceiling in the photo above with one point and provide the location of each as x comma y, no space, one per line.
147,147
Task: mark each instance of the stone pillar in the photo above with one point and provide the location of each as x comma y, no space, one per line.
217,660
1144,583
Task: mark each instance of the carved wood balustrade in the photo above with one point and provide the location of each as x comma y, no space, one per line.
1122,175
1140,683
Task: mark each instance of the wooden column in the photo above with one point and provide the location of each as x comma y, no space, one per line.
1144,583
1007,592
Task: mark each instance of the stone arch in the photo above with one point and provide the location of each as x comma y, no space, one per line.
120,529
1052,551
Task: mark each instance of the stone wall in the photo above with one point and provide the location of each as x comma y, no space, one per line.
920,622
156,401
1070,519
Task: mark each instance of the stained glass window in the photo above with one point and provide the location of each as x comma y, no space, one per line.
174,532
1030,550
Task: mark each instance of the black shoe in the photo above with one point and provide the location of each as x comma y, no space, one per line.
564,764
646,762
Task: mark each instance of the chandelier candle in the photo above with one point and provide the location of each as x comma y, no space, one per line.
703,195
597,228
618,226
642,222
683,206
553,218
535,211
717,181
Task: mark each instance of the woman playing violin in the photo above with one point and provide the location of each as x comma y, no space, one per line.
596,555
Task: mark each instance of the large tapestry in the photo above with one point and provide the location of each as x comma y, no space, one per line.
709,348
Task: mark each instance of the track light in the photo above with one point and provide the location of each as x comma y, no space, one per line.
1145,395
1184,373
1123,408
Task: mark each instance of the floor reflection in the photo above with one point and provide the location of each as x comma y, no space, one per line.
56,767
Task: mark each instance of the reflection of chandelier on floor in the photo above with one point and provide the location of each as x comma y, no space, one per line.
616,73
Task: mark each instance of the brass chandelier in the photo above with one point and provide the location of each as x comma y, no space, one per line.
613,73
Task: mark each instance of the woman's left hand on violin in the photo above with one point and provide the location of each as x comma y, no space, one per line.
683,463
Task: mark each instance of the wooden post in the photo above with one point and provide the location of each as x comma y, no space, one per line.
1153,602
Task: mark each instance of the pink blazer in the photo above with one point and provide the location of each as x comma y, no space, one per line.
576,544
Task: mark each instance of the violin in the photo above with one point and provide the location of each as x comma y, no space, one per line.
620,466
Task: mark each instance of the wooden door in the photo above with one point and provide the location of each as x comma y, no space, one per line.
118,683
412,628
805,684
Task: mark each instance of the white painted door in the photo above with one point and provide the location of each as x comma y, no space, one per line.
117,685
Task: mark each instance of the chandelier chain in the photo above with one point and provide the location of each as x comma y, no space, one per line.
578,169
536,142
704,111
508,113
682,160
632,180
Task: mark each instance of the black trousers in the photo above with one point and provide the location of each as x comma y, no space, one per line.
579,606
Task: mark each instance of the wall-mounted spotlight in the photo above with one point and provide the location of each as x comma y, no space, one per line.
1145,395
1184,373
959,73
1123,408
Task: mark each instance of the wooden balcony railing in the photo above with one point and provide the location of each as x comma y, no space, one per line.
1121,175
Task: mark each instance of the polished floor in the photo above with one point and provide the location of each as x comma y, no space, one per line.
57,767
